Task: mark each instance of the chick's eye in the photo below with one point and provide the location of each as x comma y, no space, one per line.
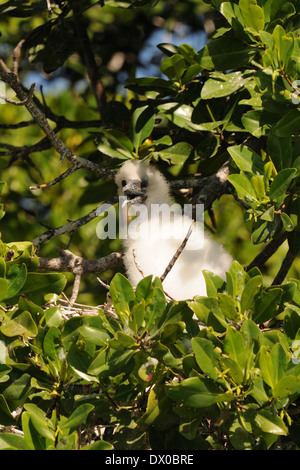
144,183
123,183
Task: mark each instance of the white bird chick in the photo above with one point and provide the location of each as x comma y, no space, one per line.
159,230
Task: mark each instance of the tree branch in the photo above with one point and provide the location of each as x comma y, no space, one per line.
212,187
68,262
40,118
285,266
69,227
266,253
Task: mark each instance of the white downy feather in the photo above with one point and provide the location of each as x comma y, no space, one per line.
150,248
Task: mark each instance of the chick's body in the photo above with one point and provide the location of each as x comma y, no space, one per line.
159,233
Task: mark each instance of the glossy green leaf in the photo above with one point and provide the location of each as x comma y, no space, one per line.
253,15
234,346
288,125
20,325
266,306
37,285
287,385
206,357
225,53
280,185
197,392
250,292
174,67
122,294
220,85
266,366
16,278
246,159
78,417
269,422
141,125
11,441
176,154
243,186
42,424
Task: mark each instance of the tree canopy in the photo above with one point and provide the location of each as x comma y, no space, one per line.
209,92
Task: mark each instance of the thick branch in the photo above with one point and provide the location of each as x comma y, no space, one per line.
212,187
68,262
284,268
266,253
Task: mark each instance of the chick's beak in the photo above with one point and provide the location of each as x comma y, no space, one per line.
134,193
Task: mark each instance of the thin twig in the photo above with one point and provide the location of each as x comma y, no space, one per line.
178,253
22,102
75,289
11,79
69,227
102,283
59,178
16,57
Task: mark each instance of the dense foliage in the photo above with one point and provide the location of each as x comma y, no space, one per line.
141,372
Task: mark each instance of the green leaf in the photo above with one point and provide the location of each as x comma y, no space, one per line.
291,321
284,44
141,125
53,316
98,445
42,424
122,294
3,288
258,122
78,417
213,282
280,185
10,441
228,307
52,343
220,85
288,125
79,360
206,357
266,306
174,67
287,385
22,324
266,366
235,278
95,335
246,159
243,186
234,346
225,53
37,285
115,144
151,84
110,362
280,151
176,154
269,422
197,392
250,292
16,278
252,14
